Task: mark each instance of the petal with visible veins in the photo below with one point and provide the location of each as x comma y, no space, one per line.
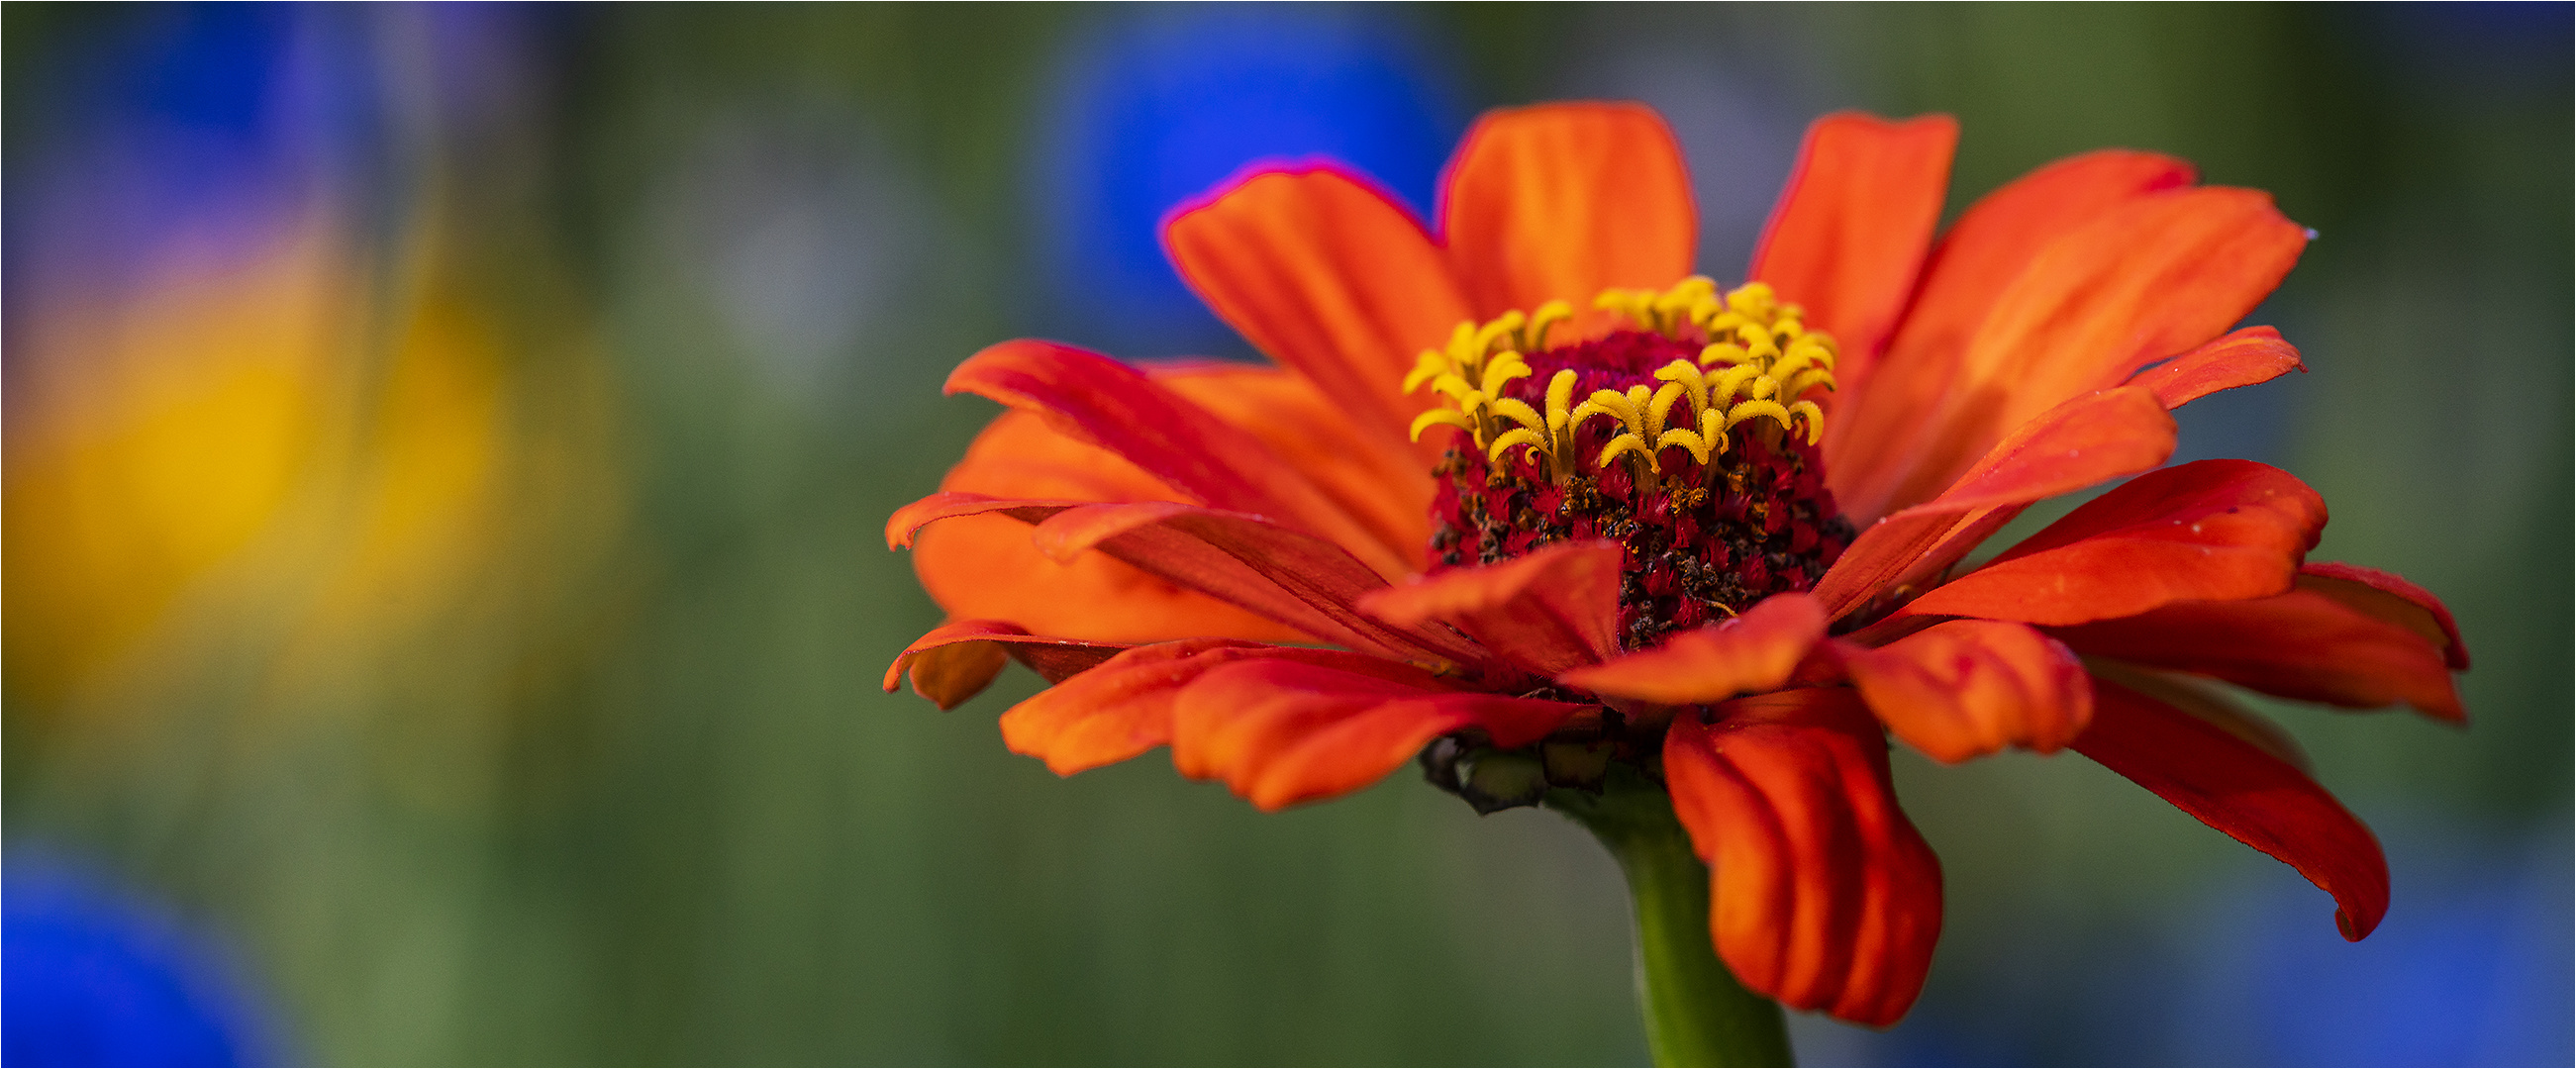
1966,688
2155,276
1559,201
1755,651
1881,411
2082,442
1847,238
1552,610
2302,644
1326,274
1281,732
1821,893
2211,530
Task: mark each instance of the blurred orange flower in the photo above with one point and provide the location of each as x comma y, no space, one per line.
1713,535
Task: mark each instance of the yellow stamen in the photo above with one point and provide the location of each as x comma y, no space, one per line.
1758,360
1441,416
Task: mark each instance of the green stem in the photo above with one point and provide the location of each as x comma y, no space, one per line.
1696,1014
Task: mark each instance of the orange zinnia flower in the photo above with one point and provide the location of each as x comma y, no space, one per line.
1616,518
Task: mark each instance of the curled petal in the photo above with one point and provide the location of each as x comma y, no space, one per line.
1123,707
957,660
1967,688
2302,644
1280,732
2242,358
1752,652
2208,530
1551,610
2236,787
1821,893
2390,597
1286,576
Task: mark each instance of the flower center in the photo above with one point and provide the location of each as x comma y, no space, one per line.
1693,445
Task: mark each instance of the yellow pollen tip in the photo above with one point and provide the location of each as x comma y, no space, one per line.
1758,360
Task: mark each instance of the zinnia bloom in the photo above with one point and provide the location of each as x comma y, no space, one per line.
1525,499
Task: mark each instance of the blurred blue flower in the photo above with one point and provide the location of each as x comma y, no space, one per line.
1153,111
90,975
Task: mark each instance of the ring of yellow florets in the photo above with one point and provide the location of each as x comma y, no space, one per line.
1757,362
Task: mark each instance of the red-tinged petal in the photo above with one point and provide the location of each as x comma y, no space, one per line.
2085,441
984,566
957,660
2207,700
1103,402
1328,275
906,525
1847,238
1821,894
1551,611
1967,688
1123,707
2242,358
1560,201
1294,578
1867,445
1753,652
2155,276
2235,787
987,565
1379,482
1280,732
2390,597
2303,644
2211,530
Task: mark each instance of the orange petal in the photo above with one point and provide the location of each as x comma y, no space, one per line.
2303,644
1123,707
2390,597
2242,358
1983,252
2211,530
1280,732
984,566
1848,235
1328,275
2082,442
2237,788
957,660
1753,652
1294,578
2155,276
1379,483
1560,201
1550,611
1098,400
1821,894
1967,688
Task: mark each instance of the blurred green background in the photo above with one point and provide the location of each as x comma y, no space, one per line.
448,448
